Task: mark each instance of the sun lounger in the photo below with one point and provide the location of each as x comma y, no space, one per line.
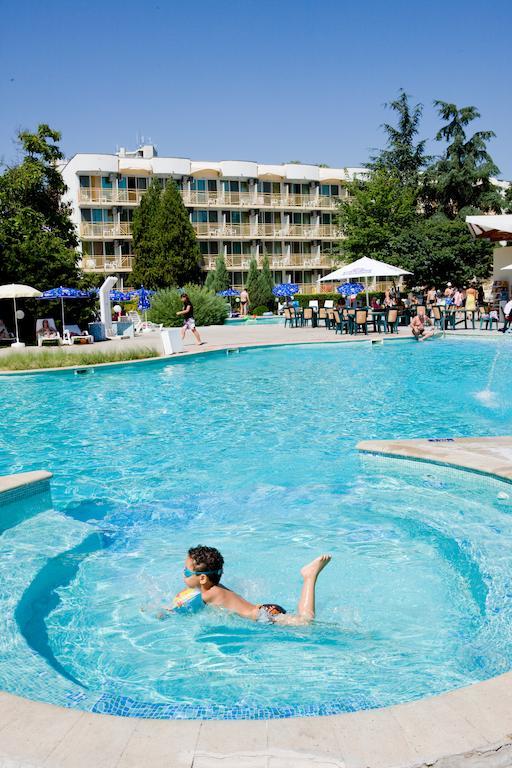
73,335
49,337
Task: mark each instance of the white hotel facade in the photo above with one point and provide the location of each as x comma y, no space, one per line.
238,209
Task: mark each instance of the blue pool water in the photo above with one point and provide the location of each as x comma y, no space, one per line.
255,453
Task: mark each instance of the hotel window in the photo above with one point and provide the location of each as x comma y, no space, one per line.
235,186
103,249
106,182
97,215
270,217
329,190
273,249
85,182
202,217
298,189
125,248
300,218
203,185
126,214
269,187
209,249
327,218
236,217
238,249
300,248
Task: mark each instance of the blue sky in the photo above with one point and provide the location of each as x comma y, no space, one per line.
270,81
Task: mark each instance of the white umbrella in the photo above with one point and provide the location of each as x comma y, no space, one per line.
491,227
366,268
14,291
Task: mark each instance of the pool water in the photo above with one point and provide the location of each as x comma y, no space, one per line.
254,453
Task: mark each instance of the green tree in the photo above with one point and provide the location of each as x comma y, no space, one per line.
252,284
37,237
379,209
166,250
437,250
402,157
265,283
461,178
218,279
150,266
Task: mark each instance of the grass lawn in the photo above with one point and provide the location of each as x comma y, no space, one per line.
59,358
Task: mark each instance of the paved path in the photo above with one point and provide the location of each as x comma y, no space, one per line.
467,728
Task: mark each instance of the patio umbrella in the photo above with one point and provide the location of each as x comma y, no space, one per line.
366,268
144,302
494,228
285,289
64,293
350,289
15,291
228,292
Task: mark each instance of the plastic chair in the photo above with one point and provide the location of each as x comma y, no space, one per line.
360,321
392,321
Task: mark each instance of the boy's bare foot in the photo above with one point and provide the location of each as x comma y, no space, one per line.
312,569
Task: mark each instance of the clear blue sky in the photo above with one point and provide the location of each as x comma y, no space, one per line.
271,81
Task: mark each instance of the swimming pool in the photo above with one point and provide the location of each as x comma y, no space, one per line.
254,453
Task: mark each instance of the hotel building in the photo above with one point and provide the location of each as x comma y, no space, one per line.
238,209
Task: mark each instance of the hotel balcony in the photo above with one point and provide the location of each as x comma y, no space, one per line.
97,196
107,263
281,261
271,231
258,200
105,231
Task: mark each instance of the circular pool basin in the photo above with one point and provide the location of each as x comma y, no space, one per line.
254,453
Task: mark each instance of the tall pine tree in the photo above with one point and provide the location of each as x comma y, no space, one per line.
166,250
252,283
265,283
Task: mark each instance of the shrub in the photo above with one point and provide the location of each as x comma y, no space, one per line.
259,310
209,309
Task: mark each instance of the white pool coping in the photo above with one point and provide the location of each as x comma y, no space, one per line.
468,727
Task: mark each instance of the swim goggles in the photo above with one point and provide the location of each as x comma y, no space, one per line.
187,573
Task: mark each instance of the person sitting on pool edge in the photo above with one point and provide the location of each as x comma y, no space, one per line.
203,570
418,323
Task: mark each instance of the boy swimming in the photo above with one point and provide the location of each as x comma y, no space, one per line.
203,571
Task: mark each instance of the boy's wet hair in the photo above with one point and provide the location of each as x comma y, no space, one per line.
207,559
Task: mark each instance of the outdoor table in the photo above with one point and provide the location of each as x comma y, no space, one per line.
378,317
449,316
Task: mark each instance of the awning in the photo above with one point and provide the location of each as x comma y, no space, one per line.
493,228
132,168
271,176
206,168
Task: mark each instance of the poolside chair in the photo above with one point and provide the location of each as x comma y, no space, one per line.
314,304
290,318
360,321
73,335
341,322
140,325
307,316
322,316
52,338
392,321
489,318
437,317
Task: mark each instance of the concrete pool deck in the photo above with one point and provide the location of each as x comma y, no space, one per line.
466,728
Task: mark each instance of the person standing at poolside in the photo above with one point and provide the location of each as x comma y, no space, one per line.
189,324
244,302
471,297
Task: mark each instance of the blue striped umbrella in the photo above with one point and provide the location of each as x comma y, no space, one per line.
64,293
228,292
350,289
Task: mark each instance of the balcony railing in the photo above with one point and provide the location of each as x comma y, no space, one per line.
283,231
281,261
107,263
106,230
95,195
